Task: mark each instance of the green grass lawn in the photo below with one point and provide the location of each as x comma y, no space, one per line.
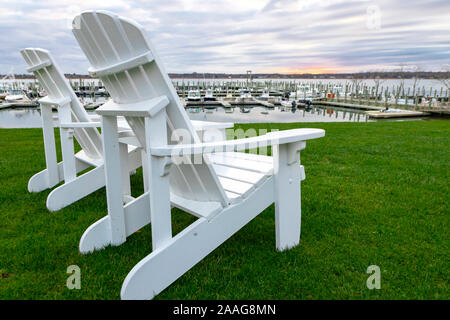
374,194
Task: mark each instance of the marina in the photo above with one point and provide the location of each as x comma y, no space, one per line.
31,117
267,98
395,114
241,151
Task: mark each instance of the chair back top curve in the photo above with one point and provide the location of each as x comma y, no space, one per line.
57,87
123,57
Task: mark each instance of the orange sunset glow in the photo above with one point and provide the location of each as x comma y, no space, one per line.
309,70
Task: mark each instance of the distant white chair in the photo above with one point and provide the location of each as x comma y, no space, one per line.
75,121
223,188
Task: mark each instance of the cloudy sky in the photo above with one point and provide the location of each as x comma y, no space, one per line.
286,36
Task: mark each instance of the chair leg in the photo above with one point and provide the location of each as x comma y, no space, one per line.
40,181
158,183
67,148
83,185
136,214
163,266
76,189
98,235
125,173
51,175
287,198
114,181
144,169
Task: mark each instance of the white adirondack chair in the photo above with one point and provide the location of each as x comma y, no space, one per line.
74,120
225,189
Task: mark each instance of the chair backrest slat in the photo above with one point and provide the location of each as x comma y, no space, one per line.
57,86
108,40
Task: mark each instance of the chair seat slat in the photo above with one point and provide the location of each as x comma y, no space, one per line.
250,156
238,174
223,159
235,186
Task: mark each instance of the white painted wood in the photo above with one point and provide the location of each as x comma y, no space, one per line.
52,176
293,151
99,235
77,189
67,148
125,171
132,141
158,181
80,125
145,169
41,65
54,102
144,108
136,216
199,209
129,138
225,194
239,187
74,121
159,269
59,92
287,177
273,138
39,181
85,184
82,156
114,180
122,65
233,197
108,40
249,156
238,174
248,165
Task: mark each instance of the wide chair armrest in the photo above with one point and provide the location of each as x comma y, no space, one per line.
269,139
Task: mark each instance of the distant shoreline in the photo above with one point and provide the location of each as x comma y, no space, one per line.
270,76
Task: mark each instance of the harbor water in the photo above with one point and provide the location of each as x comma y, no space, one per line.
31,117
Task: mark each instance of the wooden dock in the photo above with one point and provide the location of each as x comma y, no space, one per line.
395,114
12,105
5,106
225,104
265,103
346,105
440,112
229,104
